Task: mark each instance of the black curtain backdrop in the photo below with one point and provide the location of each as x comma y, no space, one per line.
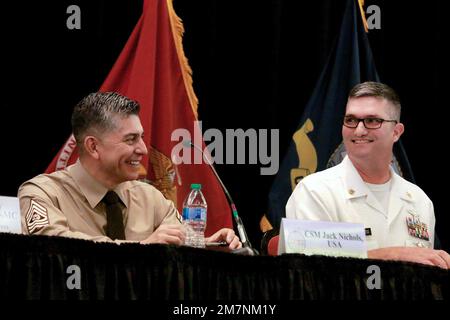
255,64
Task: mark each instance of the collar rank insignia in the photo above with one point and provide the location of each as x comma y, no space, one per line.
416,228
36,217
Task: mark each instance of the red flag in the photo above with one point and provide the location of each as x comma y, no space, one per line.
153,70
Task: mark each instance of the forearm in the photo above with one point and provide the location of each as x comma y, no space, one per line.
61,231
427,256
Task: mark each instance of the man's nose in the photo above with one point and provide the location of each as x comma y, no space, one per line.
360,129
141,148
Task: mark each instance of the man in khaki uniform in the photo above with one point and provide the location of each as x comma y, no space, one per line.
72,202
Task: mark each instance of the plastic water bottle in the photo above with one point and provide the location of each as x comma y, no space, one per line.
194,217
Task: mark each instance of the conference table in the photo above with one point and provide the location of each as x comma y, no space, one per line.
41,267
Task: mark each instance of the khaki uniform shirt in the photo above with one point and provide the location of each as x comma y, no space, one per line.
68,203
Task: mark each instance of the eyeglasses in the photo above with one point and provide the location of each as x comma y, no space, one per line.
369,123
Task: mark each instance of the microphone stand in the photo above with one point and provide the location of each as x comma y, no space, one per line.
247,248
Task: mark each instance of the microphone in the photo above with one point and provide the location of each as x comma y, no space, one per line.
247,248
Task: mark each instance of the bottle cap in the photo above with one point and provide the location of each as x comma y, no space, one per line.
196,186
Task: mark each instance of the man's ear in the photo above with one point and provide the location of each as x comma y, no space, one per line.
398,131
90,144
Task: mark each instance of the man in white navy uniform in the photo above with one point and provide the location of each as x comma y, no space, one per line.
363,188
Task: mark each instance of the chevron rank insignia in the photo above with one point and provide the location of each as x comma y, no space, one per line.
36,217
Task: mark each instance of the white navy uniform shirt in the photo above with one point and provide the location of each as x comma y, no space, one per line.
339,194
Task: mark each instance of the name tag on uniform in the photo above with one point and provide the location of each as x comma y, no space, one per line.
339,239
10,215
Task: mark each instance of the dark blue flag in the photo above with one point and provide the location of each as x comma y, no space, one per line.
317,143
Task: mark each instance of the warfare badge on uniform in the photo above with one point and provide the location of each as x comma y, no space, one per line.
416,228
36,217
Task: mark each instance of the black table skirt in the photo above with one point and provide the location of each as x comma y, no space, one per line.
38,267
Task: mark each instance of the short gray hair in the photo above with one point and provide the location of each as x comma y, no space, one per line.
96,112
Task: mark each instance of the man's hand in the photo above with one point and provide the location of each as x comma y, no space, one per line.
227,235
167,234
432,257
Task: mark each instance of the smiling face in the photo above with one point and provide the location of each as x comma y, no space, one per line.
120,151
371,144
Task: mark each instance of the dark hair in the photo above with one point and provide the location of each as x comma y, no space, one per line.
378,90
95,113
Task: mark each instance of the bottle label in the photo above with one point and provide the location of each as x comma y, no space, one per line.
198,214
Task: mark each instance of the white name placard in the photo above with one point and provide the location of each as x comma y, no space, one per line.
10,215
322,237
